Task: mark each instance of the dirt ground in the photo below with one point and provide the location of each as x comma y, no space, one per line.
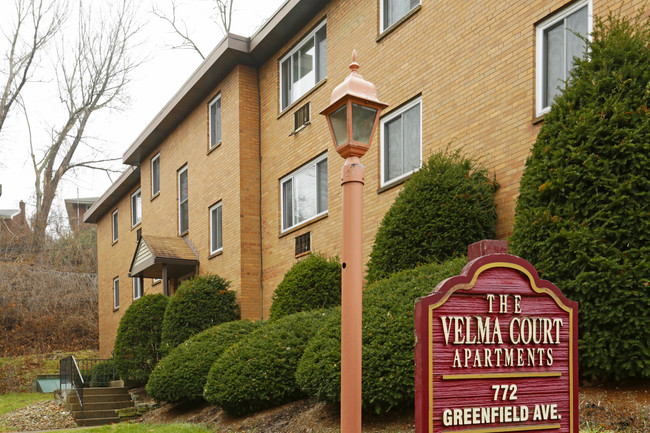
618,408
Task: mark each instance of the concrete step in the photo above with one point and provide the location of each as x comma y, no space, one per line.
88,422
105,391
90,414
72,399
76,407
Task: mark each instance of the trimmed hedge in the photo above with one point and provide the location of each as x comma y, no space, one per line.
103,373
181,375
312,283
138,338
259,372
446,205
200,303
388,341
583,214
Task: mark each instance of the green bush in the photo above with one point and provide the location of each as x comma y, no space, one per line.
583,214
388,341
446,205
259,372
181,375
200,303
138,338
312,283
102,373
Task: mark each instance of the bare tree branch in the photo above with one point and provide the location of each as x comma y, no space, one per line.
187,42
94,78
224,11
37,22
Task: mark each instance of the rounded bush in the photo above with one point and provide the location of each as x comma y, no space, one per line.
200,303
446,205
138,338
103,373
181,375
583,213
312,283
259,372
388,341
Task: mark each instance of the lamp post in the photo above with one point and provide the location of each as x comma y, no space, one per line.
352,116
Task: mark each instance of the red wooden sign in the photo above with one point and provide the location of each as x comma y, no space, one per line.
496,350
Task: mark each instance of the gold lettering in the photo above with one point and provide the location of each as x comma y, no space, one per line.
446,327
490,298
517,304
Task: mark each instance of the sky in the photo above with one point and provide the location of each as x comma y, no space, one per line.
153,84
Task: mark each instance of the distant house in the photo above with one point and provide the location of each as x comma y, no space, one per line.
13,224
76,209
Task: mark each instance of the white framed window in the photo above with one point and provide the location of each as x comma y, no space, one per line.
183,196
401,142
116,293
137,288
304,67
136,208
114,225
155,175
215,121
391,11
304,193
216,232
558,40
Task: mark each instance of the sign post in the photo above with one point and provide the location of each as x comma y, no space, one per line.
496,350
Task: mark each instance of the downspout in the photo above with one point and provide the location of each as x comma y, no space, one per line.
259,152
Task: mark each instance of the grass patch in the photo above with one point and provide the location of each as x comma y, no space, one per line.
13,400
147,428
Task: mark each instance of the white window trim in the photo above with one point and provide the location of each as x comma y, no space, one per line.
314,162
382,29
214,101
539,47
114,216
136,282
212,249
116,291
156,157
178,181
382,139
133,213
298,46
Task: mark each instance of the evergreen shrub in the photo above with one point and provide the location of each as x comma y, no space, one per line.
312,283
138,338
445,206
103,373
259,372
583,214
199,303
181,375
388,341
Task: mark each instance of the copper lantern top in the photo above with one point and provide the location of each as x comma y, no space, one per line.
353,113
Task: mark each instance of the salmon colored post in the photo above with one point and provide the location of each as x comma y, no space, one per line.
352,117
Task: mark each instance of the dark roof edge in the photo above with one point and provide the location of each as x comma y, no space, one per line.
127,180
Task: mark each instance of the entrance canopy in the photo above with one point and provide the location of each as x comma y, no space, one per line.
163,257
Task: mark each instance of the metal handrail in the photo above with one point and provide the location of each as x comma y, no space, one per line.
79,374
73,378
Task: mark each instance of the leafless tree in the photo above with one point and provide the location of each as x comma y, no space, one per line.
223,20
36,22
92,73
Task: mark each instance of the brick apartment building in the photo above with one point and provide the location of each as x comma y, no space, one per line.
237,174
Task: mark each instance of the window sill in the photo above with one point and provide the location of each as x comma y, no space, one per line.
215,254
302,225
302,98
136,226
116,309
301,255
213,148
184,233
399,22
395,183
114,242
154,196
539,119
153,283
300,128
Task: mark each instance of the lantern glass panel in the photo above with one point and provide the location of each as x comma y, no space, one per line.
363,119
339,121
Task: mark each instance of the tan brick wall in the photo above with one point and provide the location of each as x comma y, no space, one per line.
472,64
